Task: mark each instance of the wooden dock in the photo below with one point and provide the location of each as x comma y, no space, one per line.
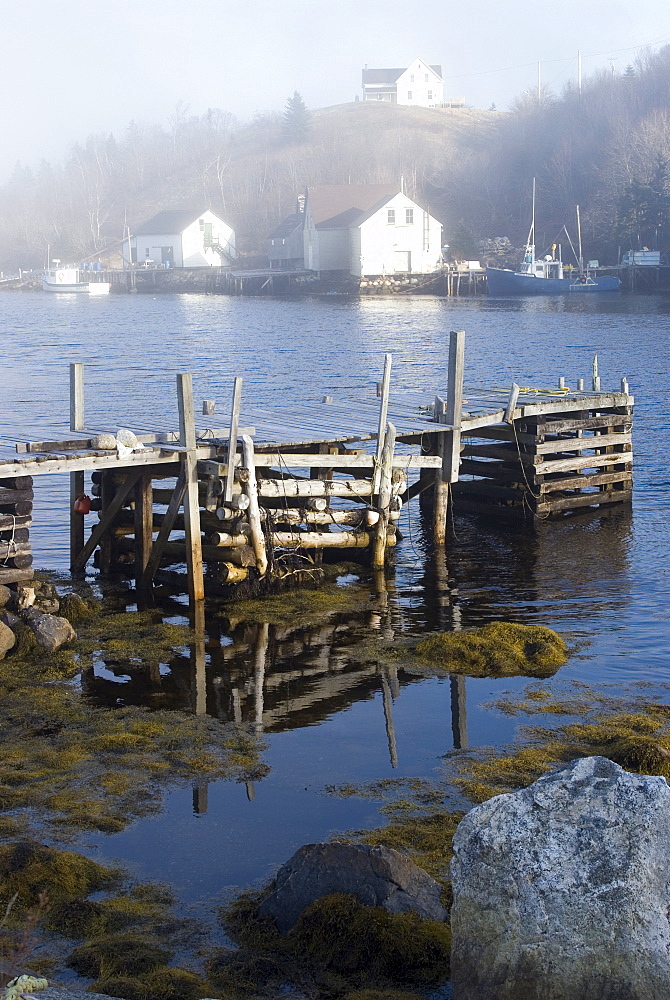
261,500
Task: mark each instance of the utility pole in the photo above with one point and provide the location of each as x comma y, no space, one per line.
579,73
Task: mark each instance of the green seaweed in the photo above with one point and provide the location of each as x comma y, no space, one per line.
300,607
118,954
501,649
367,944
161,983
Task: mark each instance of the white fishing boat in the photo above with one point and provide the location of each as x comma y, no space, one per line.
545,276
72,279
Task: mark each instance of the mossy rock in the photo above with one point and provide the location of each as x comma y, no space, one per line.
245,973
162,983
501,649
383,995
340,934
118,954
29,868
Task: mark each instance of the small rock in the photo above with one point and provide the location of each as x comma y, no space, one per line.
23,597
5,594
8,619
49,605
50,631
377,876
104,442
7,639
561,890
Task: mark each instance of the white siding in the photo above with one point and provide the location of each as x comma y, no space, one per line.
188,249
420,86
381,247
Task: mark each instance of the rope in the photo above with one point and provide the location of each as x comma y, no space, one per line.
11,543
547,392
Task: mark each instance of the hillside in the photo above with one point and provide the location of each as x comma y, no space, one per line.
606,149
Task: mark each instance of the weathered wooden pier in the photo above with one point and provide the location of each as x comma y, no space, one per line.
261,501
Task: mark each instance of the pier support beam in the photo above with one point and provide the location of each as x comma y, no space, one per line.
449,445
76,478
196,583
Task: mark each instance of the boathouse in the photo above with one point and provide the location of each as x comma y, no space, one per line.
182,238
368,230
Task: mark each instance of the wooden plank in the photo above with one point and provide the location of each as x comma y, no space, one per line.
107,519
10,548
10,575
579,501
232,438
583,462
381,425
549,486
253,512
166,527
587,423
143,516
355,489
20,509
454,408
76,478
582,443
191,505
321,539
11,522
15,496
384,498
511,403
17,483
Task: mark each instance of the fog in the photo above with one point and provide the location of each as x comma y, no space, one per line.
74,68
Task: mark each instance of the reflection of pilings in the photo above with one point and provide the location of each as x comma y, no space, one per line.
459,726
388,717
199,672
260,654
251,791
200,791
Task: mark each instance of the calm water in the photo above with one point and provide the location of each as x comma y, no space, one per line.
601,581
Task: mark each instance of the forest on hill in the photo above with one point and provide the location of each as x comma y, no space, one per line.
606,149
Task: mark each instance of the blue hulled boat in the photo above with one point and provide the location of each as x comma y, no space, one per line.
545,276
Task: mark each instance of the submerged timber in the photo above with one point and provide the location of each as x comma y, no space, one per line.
263,499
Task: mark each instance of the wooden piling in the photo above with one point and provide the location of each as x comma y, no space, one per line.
76,478
196,584
253,513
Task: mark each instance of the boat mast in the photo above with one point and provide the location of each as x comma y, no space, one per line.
529,258
579,241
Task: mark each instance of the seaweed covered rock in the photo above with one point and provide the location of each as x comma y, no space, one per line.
162,982
561,890
501,649
50,631
367,943
376,876
7,639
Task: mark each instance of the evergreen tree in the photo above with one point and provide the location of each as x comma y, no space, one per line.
296,122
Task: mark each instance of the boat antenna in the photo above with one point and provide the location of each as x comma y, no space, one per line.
565,230
579,241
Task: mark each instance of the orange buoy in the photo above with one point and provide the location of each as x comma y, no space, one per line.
82,504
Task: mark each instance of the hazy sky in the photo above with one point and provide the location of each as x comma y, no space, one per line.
74,67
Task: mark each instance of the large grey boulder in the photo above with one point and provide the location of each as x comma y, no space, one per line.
377,876
562,890
51,631
7,639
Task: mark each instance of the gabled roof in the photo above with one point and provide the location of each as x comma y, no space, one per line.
288,226
389,77
170,221
337,206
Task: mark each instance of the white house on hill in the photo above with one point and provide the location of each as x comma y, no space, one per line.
369,230
183,238
420,85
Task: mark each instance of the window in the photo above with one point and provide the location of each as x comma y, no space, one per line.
426,78
409,216
201,223
409,95
391,216
411,79
430,95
